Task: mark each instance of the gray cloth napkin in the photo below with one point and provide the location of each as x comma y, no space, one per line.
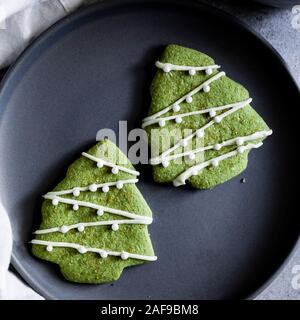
11,287
21,21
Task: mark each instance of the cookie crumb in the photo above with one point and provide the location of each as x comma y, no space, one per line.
243,180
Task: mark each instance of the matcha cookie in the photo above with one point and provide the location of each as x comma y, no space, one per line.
94,222
201,126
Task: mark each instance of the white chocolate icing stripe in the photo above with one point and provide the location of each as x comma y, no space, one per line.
100,162
218,146
167,67
216,119
76,190
81,225
99,208
82,249
197,112
180,180
188,95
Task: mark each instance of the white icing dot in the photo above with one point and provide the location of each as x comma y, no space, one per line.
93,188
55,202
184,143
241,149
119,185
82,250
217,119
100,164
192,72
49,248
200,133
192,156
124,256
165,163
166,68
105,189
212,113
76,192
217,146
162,123
100,212
103,254
208,71
81,228
214,163
115,227
206,88
189,99
64,229
239,141
176,108
114,170
178,119
75,207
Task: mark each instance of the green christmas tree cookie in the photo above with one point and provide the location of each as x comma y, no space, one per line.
94,222
201,126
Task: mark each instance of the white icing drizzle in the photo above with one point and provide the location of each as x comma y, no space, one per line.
115,168
218,146
76,190
82,249
164,158
187,97
216,119
115,224
82,225
212,111
56,200
167,67
194,170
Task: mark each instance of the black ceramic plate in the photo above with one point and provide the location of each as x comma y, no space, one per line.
92,70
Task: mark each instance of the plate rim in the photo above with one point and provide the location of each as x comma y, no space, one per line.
81,12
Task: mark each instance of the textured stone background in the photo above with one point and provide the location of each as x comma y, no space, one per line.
275,25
